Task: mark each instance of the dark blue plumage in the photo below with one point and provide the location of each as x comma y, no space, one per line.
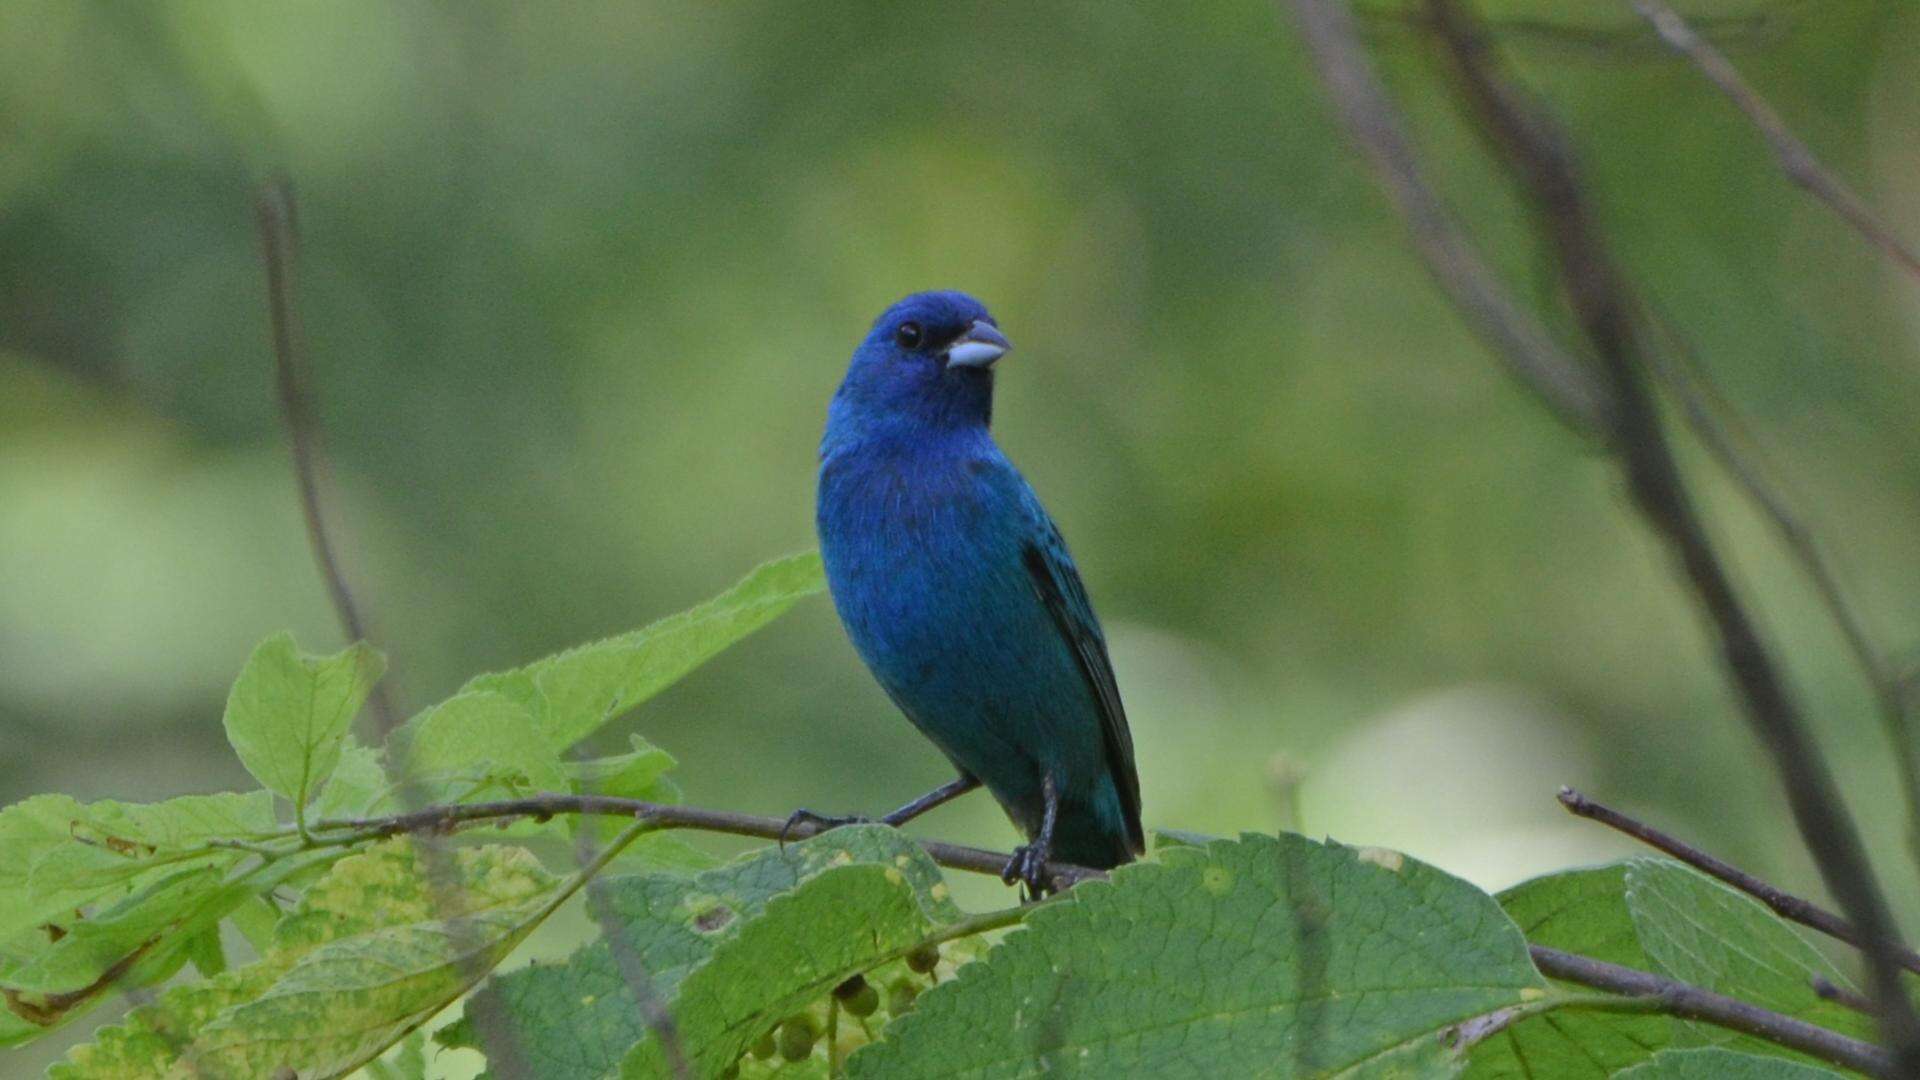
959,594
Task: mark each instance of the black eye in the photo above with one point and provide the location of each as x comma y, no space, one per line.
909,335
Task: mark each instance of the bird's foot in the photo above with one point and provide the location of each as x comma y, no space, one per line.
817,823
1029,867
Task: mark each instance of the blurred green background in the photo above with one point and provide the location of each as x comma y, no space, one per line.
580,279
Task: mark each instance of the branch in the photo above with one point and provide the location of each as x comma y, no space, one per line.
1646,992
1515,336
628,961
436,819
1699,403
1796,159
1690,1002
1786,905
275,217
1537,155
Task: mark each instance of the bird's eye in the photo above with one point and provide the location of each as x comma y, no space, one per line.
909,335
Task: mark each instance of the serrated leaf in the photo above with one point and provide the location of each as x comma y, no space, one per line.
801,946
348,1000
359,786
288,713
579,1019
1580,911
477,745
408,1061
571,694
1699,931
639,773
360,895
1721,1064
1259,957
205,952
139,941
62,855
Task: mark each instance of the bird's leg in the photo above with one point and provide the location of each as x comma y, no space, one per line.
820,823
939,796
1029,862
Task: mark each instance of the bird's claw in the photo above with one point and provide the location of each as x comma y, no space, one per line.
819,823
1029,867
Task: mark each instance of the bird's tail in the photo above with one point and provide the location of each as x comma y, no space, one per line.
1092,836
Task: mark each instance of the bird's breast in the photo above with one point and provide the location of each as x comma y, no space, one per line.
917,554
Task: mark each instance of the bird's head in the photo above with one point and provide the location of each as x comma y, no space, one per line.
927,362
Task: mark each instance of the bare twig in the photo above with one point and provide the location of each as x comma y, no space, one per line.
1827,990
1785,904
1539,159
1622,39
1693,1003
1796,159
627,961
436,819
1646,992
1513,334
275,216
277,220
1536,154
1714,423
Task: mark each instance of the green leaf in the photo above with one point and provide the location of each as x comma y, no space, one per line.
408,1061
288,714
1699,931
801,946
573,693
743,922
477,745
62,856
139,941
359,786
1580,911
1721,1064
349,1000
1263,956
206,953
360,895
638,774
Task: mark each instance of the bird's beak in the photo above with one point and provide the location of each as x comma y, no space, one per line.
979,347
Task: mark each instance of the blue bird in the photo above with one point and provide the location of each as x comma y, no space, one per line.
957,591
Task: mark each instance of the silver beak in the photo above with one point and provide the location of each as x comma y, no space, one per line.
979,347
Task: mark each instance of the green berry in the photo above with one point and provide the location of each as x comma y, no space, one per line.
863,1002
763,1047
849,988
924,959
796,1038
900,996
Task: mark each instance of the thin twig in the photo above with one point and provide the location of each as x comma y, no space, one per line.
1785,904
276,217
1539,159
1796,159
627,960
1514,335
1646,992
1714,423
1618,40
1827,990
1690,1002
438,819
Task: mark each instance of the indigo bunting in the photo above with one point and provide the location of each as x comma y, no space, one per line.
957,591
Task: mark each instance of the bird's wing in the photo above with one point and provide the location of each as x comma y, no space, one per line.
1057,583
